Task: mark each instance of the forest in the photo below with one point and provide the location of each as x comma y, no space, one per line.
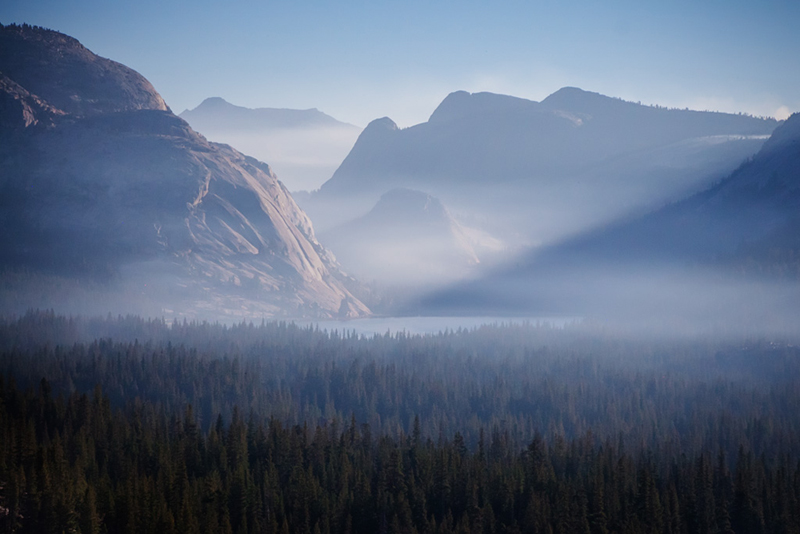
126,424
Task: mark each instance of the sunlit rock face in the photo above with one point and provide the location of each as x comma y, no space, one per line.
103,184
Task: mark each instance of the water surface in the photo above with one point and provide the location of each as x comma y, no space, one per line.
429,325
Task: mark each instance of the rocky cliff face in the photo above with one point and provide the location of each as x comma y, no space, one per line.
101,181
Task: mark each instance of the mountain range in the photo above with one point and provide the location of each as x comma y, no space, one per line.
484,137
303,146
102,182
529,174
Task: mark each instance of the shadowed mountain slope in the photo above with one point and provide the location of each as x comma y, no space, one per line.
736,244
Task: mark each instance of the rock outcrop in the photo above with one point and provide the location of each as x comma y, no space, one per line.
101,182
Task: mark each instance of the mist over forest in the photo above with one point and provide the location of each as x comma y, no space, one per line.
578,313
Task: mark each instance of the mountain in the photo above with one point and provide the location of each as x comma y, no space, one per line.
483,136
752,207
535,172
105,193
408,238
733,247
304,146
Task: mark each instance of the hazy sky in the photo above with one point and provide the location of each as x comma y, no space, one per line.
359,60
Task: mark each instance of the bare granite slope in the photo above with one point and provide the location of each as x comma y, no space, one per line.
102,184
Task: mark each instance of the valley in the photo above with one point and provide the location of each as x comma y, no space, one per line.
559,312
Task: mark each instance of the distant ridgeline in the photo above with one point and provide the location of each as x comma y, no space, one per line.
514,175
275,428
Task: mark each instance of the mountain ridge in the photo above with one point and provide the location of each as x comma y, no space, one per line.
60,70
278,117
551,168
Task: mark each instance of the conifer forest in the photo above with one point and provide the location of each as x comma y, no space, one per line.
133,426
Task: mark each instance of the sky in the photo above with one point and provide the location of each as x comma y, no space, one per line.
361,60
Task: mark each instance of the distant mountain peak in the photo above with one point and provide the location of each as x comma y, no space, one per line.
215,101
460,104
571,92
577,100
403,200
406,193
384,123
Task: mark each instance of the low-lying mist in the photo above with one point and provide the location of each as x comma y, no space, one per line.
654,299
302,158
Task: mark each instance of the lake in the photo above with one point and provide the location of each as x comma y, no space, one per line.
429,325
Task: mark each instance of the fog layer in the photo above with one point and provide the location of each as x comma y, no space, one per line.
304,147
